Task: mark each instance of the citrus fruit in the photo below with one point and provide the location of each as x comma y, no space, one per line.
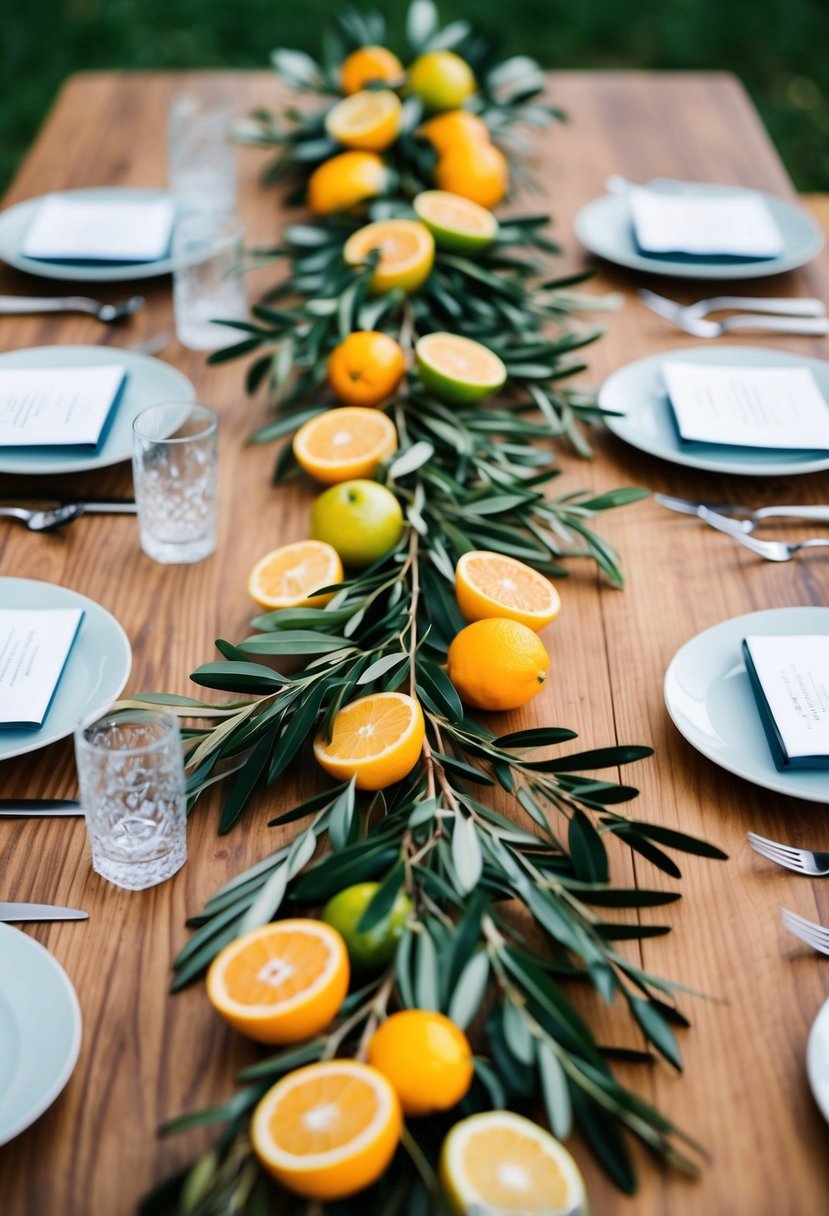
454,127
368,64
478,171
504,1163
376,739
456,222
282,982
361,519
344,180
441,79
426,1057
327,1130
497,664
373,947
490,584
287,577
458,369
407,252
346,442
368,120
366,368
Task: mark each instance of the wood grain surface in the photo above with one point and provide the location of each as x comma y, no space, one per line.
147,1056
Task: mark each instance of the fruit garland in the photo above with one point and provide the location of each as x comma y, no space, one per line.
440,914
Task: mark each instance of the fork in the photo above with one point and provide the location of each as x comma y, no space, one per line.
802,861
808,931
110,314
771,550
782,307
675,313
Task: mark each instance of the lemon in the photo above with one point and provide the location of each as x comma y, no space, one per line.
407,253
343,443
368,120
497,664
441,79
501,1162
458,369
373,948
288,577
361,519
456,222
345,180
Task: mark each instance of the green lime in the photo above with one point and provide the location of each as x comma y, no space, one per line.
374,948
362,520
455,222
441,79
457,369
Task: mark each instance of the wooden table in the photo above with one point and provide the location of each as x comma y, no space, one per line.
147,1056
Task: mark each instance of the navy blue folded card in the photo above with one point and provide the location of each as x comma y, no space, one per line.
59,407
35,645
790,680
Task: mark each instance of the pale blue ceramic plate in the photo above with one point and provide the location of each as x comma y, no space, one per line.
817,1060
638,392
709,698
15,220
605,228
96,670
40,1031
149,382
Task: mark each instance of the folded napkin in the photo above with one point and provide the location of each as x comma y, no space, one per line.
704,225
59,407
35,644
790,680
67,229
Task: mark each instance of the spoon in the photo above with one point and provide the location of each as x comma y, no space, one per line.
45,521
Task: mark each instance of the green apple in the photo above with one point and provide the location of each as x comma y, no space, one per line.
361,519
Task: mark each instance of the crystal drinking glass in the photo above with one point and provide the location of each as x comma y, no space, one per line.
208,284
201,165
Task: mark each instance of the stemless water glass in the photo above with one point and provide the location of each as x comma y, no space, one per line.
131,775
174,463
208,285
200,158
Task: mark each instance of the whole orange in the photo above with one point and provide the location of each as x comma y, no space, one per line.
497,664
475,170
426,1057
366,368
367,64
455,127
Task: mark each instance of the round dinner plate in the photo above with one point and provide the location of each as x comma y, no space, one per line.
709,698
605,228
95,673
149,382
817,1059
40,1031
637,392
15,220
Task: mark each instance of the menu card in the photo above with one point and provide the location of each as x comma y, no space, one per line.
85,230
735,225
59,406
34,646
767,407
790,679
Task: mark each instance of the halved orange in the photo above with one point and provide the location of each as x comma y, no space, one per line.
490,584
288,577
343,443
345,180
281,983
368,120
376,739
407,253
327,1130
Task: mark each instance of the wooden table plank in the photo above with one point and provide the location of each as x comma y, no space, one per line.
147,1057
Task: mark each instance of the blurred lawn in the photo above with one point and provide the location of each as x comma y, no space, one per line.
779,49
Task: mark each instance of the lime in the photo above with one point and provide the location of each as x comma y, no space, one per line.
457,369
374,948
441,79
455,222
362,520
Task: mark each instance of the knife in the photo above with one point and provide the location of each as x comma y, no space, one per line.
685,506
18,808
21,912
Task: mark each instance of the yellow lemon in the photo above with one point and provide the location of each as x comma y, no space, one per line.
497,664
407,253
441,79
368,120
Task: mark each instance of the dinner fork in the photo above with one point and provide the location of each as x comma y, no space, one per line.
808,931
771,550
780,307
814,326
110,314
802,861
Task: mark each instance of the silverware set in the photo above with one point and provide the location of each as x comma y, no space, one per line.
739,522
38,808
47,519
802,861
109,314
783,316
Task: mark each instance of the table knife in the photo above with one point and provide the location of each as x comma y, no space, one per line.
21,808
685,506
25,912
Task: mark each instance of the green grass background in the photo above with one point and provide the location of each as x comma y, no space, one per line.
780,49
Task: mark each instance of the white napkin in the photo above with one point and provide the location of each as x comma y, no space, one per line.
116,230
740,225
58,406
34,647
